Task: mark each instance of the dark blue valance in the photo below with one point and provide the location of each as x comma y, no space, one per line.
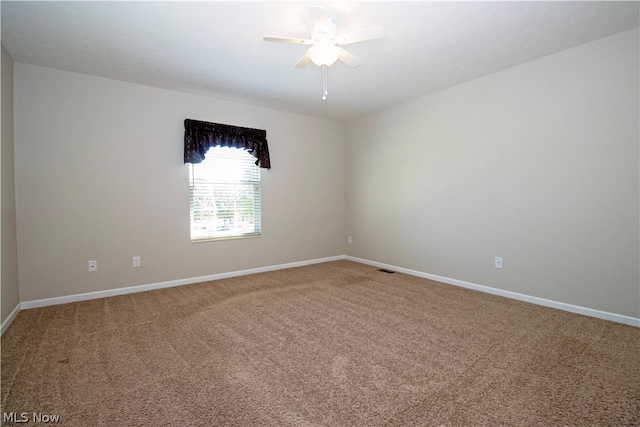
200,136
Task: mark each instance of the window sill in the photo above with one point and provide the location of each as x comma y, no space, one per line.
213,239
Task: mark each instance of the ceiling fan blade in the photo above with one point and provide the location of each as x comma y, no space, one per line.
304,61
360,36
286,40
349,59
319,19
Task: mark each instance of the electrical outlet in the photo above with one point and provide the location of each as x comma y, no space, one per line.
349,240
93,266
497,262
136,261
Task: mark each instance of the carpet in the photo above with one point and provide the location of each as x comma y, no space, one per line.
332,344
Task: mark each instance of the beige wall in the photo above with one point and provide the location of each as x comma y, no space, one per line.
9,293
99,175
537,164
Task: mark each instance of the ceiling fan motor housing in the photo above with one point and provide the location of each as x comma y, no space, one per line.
330,32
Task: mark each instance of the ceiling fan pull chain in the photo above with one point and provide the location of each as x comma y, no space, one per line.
324,82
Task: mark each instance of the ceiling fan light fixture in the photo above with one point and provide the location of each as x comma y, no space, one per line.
324,53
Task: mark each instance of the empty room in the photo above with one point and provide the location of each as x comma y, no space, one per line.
320,213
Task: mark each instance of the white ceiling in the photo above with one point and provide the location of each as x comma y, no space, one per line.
216,48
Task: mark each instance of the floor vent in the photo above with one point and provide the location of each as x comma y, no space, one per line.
384,270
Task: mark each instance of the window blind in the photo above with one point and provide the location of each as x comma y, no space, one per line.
225,195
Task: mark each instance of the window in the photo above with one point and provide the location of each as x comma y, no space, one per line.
225,195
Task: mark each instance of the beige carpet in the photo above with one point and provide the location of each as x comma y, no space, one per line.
334,344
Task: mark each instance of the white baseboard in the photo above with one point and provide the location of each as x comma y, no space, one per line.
169,284
627,320
10,318
142,288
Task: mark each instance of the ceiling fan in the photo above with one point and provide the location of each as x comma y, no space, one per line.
325,43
